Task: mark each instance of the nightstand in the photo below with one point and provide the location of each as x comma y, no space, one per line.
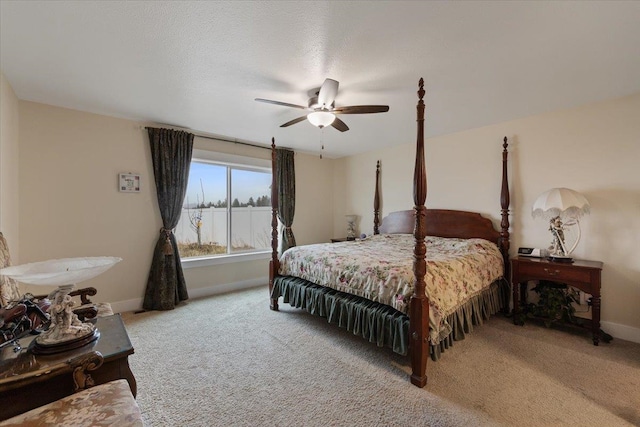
342,239
583,275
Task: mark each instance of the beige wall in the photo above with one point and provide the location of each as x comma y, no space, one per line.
594,149
70,205
9,154
313,221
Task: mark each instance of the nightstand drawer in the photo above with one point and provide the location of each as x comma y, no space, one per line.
554,272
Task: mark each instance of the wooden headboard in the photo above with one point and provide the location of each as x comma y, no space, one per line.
443,223
451,223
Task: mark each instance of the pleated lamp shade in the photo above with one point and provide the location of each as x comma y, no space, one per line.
560,202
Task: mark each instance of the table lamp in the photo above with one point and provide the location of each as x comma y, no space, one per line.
351,226
563,208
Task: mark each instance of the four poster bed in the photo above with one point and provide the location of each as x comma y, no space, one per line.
385,288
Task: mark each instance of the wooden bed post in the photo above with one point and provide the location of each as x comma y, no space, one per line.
274,264
376,202
504,224
419,317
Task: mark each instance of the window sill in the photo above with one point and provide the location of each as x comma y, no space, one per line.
224,259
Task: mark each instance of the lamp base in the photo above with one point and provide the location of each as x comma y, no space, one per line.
65,329
560,258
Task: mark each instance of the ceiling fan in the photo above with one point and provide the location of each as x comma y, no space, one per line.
322,109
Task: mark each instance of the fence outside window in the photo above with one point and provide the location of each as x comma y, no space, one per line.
250,229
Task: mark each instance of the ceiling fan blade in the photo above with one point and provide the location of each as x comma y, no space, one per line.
328,93
293,122
361,109
284,104
340,125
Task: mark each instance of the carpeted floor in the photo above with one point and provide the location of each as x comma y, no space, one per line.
228,360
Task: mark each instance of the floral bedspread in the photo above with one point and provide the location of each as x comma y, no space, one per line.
380,268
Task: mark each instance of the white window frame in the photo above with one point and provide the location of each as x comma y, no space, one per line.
237,162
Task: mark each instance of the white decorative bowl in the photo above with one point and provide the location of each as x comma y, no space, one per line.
60,272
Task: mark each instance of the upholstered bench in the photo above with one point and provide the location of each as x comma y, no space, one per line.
108,404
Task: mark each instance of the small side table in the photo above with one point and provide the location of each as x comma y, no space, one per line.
583,275
29,380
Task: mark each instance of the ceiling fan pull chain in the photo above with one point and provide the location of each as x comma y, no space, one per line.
321,142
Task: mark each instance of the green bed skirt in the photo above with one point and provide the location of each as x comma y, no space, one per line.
382,324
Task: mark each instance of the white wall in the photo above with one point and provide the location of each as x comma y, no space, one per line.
9,153
594,149
70,205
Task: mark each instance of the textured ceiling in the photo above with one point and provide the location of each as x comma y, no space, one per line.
199,65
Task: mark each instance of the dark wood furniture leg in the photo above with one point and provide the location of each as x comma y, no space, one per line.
115,369
595,321
515,288
519,292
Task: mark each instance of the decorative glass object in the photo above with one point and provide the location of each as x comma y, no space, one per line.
66,330
351,226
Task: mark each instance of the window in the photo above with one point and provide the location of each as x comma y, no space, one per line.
227,207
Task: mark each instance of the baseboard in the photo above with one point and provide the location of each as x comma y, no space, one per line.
623,332
128,305
136,304
230,287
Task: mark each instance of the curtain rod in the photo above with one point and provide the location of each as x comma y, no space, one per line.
223,139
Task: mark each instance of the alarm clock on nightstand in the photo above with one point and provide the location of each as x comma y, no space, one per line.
533,252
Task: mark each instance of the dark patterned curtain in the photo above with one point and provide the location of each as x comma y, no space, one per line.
171,156
286,175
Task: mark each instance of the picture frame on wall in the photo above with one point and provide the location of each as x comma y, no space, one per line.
129,182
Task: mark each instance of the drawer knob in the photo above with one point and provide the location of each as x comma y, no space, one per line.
552,273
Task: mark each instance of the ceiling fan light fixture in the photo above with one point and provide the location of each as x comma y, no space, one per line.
322,111
321,118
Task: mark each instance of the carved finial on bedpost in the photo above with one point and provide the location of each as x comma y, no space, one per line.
376,202
419,310
274,264
421,93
